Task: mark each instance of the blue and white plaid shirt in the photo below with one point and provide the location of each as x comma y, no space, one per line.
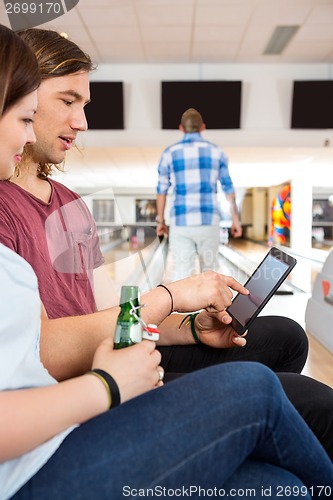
193,167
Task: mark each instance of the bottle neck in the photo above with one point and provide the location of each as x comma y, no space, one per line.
127,307
130,304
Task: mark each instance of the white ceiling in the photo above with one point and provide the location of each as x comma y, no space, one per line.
193,31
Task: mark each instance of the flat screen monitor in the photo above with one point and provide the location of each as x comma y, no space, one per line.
106,109
219,102
312,104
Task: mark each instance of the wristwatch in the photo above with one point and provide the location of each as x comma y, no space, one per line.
159,221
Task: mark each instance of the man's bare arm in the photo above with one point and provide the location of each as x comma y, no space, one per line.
105,291
67,345
236,228
162,228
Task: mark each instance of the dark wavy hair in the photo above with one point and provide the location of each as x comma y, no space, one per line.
56,56
19,72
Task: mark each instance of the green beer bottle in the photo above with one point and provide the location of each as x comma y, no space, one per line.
128,329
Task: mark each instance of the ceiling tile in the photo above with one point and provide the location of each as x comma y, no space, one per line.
168,52
121,53
113,23
228,14
315,32
109,16
165,15
105,3
309,52
115,34
251,47
322,14
219,33
71,18
257,31
219,3
166,33
282,12
4,18
163,3
213,52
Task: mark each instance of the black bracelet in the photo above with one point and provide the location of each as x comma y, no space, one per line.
167,289
110,385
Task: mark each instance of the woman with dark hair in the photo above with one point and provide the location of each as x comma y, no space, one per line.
16,79
18,83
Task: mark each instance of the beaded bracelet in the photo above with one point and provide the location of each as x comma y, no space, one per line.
189,320
110,385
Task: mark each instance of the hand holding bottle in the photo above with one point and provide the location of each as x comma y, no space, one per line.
135,369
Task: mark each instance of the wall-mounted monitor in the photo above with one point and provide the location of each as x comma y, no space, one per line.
219,102
106,109
312,104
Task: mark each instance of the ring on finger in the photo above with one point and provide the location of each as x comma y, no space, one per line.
160,375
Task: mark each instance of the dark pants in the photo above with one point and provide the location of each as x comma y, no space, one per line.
279,343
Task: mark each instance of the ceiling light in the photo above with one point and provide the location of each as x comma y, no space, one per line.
280,39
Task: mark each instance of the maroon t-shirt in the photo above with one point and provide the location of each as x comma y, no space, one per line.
59,239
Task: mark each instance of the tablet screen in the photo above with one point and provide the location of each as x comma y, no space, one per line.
260,285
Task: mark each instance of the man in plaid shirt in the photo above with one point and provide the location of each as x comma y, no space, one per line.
194,167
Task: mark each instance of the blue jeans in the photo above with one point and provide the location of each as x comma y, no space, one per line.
228,426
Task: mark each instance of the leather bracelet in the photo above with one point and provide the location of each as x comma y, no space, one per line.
167,289
110,385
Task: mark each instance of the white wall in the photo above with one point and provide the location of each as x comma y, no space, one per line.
266,103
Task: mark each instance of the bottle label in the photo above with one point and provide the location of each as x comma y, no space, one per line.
128,332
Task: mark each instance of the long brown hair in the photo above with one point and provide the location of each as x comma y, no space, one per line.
19,73
56,56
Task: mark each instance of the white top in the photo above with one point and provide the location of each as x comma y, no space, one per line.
20,366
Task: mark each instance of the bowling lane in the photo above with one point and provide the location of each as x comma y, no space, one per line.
136,262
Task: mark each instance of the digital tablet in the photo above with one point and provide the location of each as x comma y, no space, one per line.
262,285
